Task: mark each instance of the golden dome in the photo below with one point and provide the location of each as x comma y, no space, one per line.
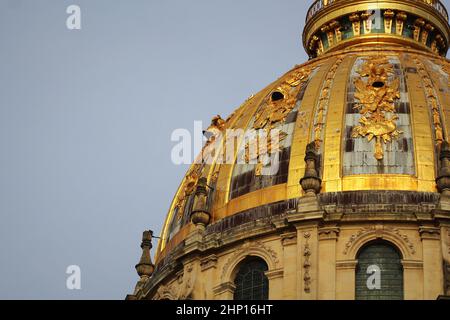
368,112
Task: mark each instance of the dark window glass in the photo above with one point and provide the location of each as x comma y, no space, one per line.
251,281
388,260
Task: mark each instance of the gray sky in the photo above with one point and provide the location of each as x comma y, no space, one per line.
86,118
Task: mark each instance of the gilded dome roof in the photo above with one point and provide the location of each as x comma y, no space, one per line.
372,101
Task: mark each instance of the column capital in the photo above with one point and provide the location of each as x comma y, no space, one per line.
208,262
430,233
329,233
288,238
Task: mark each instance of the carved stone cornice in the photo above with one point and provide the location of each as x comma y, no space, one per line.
329,233
412,264
208,262
288,239
226,287
275,274
430,233
346,264
305,216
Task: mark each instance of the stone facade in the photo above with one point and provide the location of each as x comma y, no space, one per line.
203,267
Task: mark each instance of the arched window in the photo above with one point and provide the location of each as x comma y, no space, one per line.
251,282
379,274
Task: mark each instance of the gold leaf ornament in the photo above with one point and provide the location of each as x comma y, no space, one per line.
376,97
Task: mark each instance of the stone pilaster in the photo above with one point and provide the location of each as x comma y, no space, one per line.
275,284
345,279
432,262
413,279
224,291
327,267
289,243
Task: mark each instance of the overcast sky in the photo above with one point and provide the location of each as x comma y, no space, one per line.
86,117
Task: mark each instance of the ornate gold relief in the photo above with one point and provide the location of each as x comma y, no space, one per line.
377,96
281,101
237,116
188,188
425,33
434,47
446,68
388,18
254,154
356,24
278,105
367,22
418,25
316,45
440,42
322,107
400,22
330,35
336,26
432,101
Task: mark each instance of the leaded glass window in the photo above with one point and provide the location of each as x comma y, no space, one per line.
385,258
251,281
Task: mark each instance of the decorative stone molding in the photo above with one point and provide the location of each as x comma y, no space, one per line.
307,263
447,277
346,264
448,241
180,289
275,274
329,233
388,233
355,236
188,287
165,293
404,237
227,287
323,105
258,249
412,264
180,275
288,239
208,262
430,233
